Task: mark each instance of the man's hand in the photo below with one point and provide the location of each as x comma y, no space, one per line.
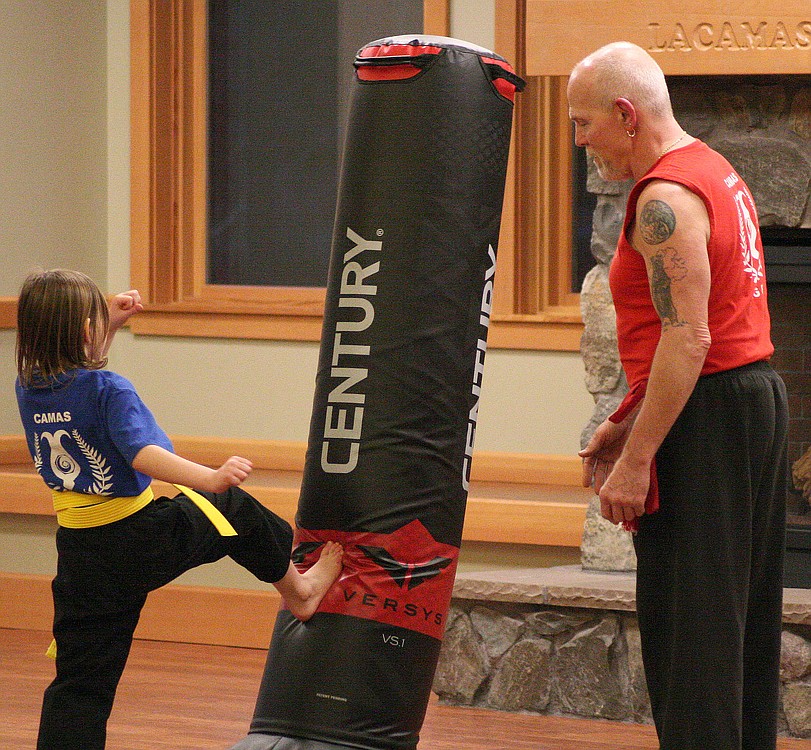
602,451
622,487
624,491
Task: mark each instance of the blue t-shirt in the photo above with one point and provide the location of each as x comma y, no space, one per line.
85,429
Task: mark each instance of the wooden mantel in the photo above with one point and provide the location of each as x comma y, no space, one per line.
690,37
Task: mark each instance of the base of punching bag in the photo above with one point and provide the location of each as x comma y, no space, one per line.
275,742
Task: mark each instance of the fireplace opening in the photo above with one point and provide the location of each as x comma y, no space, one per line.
788,254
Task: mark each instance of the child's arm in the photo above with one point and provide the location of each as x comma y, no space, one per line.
166,466
122,307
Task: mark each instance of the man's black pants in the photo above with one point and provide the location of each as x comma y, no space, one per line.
710,566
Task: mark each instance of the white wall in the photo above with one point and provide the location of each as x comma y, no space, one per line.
9,419
474,21
263,390
53,193
64,200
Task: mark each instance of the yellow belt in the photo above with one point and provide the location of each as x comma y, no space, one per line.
75,510
211,512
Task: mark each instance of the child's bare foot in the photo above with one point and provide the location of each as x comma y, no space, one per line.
303,592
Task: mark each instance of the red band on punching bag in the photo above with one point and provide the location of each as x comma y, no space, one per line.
381,583
406,318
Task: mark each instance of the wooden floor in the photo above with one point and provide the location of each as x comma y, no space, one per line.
189,697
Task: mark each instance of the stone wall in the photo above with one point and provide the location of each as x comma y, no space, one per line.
605,546
564,641
545,660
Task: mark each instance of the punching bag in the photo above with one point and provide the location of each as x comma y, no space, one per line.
394,417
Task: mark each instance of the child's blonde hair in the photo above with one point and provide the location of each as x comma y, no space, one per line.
52,311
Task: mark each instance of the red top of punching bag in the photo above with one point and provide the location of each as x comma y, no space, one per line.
402,57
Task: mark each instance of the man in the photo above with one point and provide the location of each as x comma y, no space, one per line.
702,434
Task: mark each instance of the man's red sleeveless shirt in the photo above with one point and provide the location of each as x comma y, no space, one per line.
738,313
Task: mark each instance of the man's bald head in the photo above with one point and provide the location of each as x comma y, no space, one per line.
622,70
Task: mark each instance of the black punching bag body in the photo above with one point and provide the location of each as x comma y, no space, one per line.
394,416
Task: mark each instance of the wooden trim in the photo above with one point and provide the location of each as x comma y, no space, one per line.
24,494
534,297
168,168
141,138
543,171
544,522
202,614
8,313
554,516
168,185
282,455
691,37
206,325
207,614
436,17
554,330
556,524
185,614
508,44
27,602
14,450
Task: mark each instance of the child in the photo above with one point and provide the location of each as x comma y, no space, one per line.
97,446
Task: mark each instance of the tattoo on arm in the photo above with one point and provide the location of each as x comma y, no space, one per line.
657,222
666,266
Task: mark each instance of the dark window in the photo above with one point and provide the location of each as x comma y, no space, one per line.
278,80
583,205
